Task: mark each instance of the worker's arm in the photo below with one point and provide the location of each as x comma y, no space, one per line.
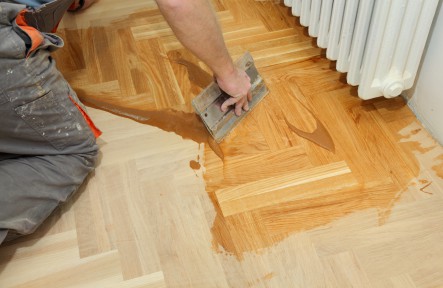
196,26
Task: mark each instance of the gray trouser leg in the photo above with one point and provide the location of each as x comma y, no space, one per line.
46,147
35,185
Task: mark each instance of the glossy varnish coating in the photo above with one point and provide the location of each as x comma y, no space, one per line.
268,208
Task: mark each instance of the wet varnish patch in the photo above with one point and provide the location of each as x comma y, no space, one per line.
264,147
313,202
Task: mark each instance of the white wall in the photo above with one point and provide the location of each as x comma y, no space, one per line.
426,97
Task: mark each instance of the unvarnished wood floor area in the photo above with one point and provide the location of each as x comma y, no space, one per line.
162,210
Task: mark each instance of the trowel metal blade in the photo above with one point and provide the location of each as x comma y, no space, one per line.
207,104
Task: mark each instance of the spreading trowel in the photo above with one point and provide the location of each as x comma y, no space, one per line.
207,104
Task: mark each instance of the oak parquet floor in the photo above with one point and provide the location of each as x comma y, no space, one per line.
277,211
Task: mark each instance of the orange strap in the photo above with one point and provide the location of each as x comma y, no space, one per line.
88,120
35,35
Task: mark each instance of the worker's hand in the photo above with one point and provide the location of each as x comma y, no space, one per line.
238,85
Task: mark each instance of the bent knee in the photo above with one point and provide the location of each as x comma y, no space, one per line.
91,158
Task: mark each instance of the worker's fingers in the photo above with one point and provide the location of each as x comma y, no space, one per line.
249,95
238,85
246,106
241,103
229,102
239,107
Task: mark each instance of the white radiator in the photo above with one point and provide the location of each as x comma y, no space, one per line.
379,43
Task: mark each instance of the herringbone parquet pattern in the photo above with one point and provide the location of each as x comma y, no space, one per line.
277,211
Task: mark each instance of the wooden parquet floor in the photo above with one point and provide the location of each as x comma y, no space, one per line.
162,210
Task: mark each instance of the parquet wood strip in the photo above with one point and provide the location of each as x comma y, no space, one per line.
269,121
73,59
135,240
171,161
155,66
187,88
180,221
93,70
237,31
238,170
275,190
93,220
300,113
154,213
403,280
345,269
105,15
101,270
40,254
127,62
104,44
372,256
253,42
121,216
350,233
270,58
151,31
154,280
274,17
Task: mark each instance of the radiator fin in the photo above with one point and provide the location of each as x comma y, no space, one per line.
378,43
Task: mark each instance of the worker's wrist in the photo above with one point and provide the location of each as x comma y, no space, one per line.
228,71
